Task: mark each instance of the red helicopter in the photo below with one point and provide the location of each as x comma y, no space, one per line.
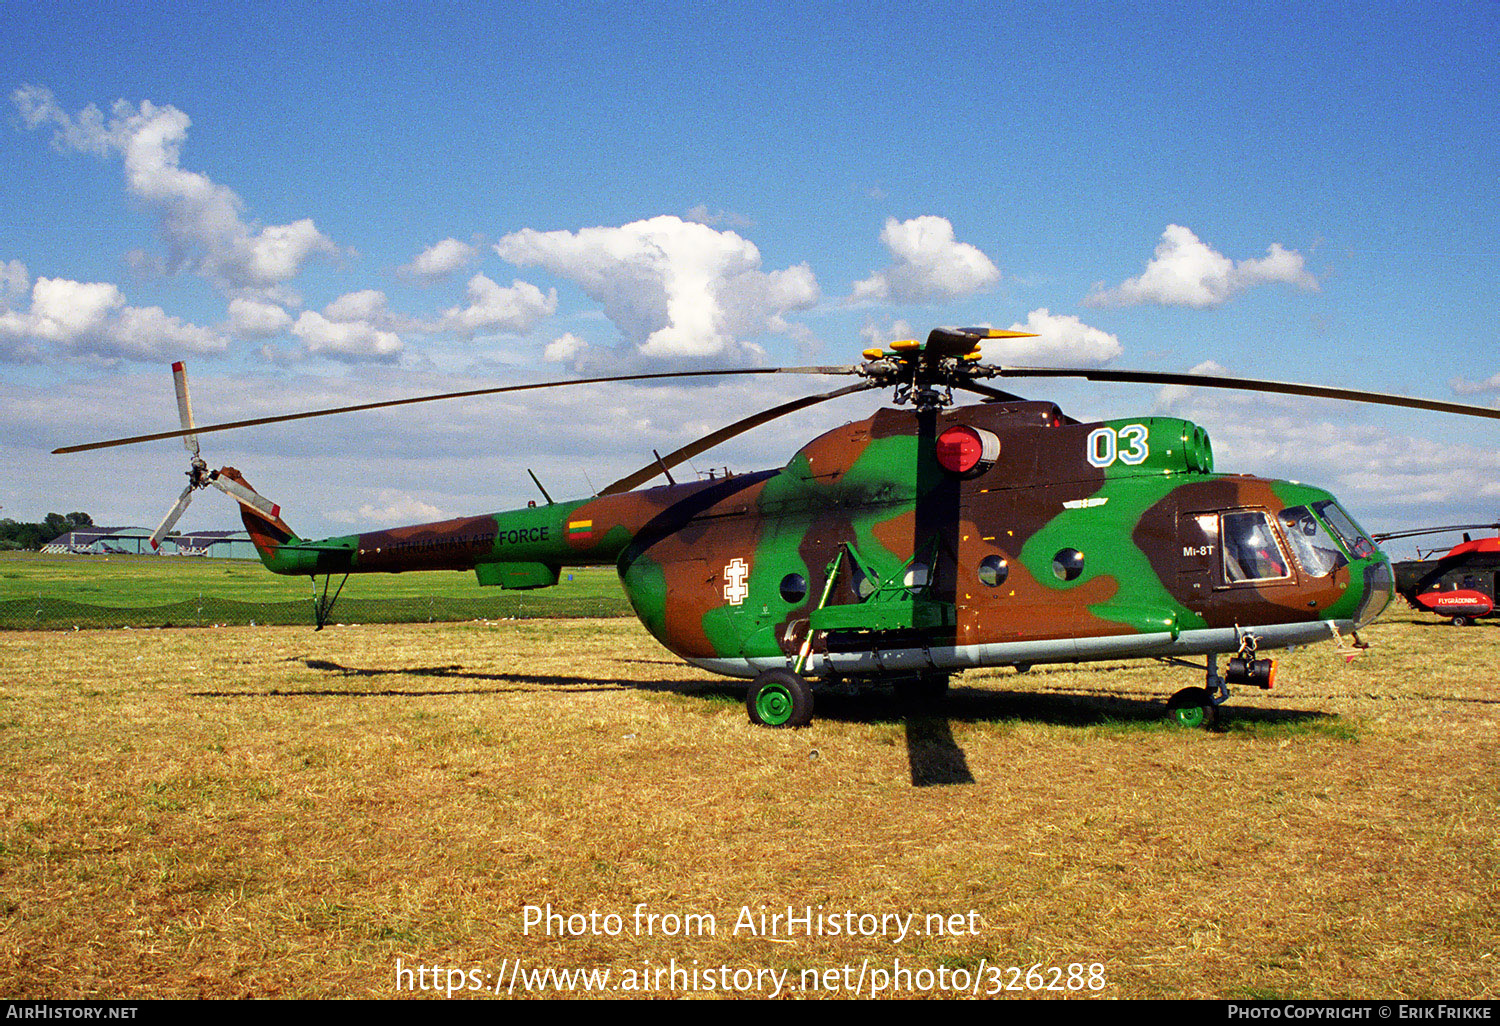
1458,584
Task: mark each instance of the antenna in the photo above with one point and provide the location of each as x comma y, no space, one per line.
663,466
539,487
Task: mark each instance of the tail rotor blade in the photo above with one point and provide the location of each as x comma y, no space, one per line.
184,406
171,517
248,496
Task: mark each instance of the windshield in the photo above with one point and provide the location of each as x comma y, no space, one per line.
1316,550
1348,532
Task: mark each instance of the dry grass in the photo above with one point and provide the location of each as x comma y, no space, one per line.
274,812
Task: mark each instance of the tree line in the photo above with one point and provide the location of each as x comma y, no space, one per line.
16,535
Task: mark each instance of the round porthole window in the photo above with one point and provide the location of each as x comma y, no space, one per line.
993,570
1068,564
793,588
860,582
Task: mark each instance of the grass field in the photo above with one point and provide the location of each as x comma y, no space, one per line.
270,812
41,590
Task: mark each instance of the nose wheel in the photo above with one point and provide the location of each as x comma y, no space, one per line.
1193,707
1199,707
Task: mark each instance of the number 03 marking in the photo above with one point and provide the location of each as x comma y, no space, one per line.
1128,445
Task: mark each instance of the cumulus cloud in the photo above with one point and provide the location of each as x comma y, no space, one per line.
366,305
440,259
673,288
351,340
92,320
564,349
930,264
1187,272
250,318
1061,339
493,307
200,220
394,508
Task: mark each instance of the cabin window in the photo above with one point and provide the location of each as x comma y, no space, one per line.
1316,551
1067,565
993,570
1251,552
793,588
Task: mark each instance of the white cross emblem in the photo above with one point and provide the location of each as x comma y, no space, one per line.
736,591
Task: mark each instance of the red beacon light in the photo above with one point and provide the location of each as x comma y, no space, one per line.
967,451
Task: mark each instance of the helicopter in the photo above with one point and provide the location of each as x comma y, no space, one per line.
1458,584
923,540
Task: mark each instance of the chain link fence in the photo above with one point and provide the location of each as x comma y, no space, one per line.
44,613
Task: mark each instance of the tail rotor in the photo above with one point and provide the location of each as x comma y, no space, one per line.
198,474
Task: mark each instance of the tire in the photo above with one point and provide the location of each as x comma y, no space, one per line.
1193,707
1460,621
779,698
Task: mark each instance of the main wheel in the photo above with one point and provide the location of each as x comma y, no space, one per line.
1460,621
779,698
1193,707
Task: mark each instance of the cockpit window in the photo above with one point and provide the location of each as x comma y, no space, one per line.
1314,547
1251,552
1348,532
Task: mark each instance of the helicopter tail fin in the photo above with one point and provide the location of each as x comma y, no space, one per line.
262,517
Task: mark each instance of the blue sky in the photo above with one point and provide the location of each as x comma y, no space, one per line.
321,203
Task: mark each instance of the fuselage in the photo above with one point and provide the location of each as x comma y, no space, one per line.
995,534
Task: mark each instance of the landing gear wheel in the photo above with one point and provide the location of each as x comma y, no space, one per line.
779,698
1460,621
1193,707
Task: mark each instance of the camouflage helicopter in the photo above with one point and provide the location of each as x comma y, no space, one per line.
916,543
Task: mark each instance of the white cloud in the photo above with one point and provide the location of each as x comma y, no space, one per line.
200,220
394,509
345,340
673,288
366,305
250,318
1061,339
495,308
564,349
930,265
1187,272
92,320
440,259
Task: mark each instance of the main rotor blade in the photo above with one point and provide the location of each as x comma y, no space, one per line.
739,427
1249,385
993,393
1379,538
184,406
258,421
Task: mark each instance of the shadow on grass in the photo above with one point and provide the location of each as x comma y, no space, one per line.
871,704
934,756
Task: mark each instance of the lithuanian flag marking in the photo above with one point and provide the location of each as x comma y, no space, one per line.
580,527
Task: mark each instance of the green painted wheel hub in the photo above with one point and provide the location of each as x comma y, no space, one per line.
1190,715
774,705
